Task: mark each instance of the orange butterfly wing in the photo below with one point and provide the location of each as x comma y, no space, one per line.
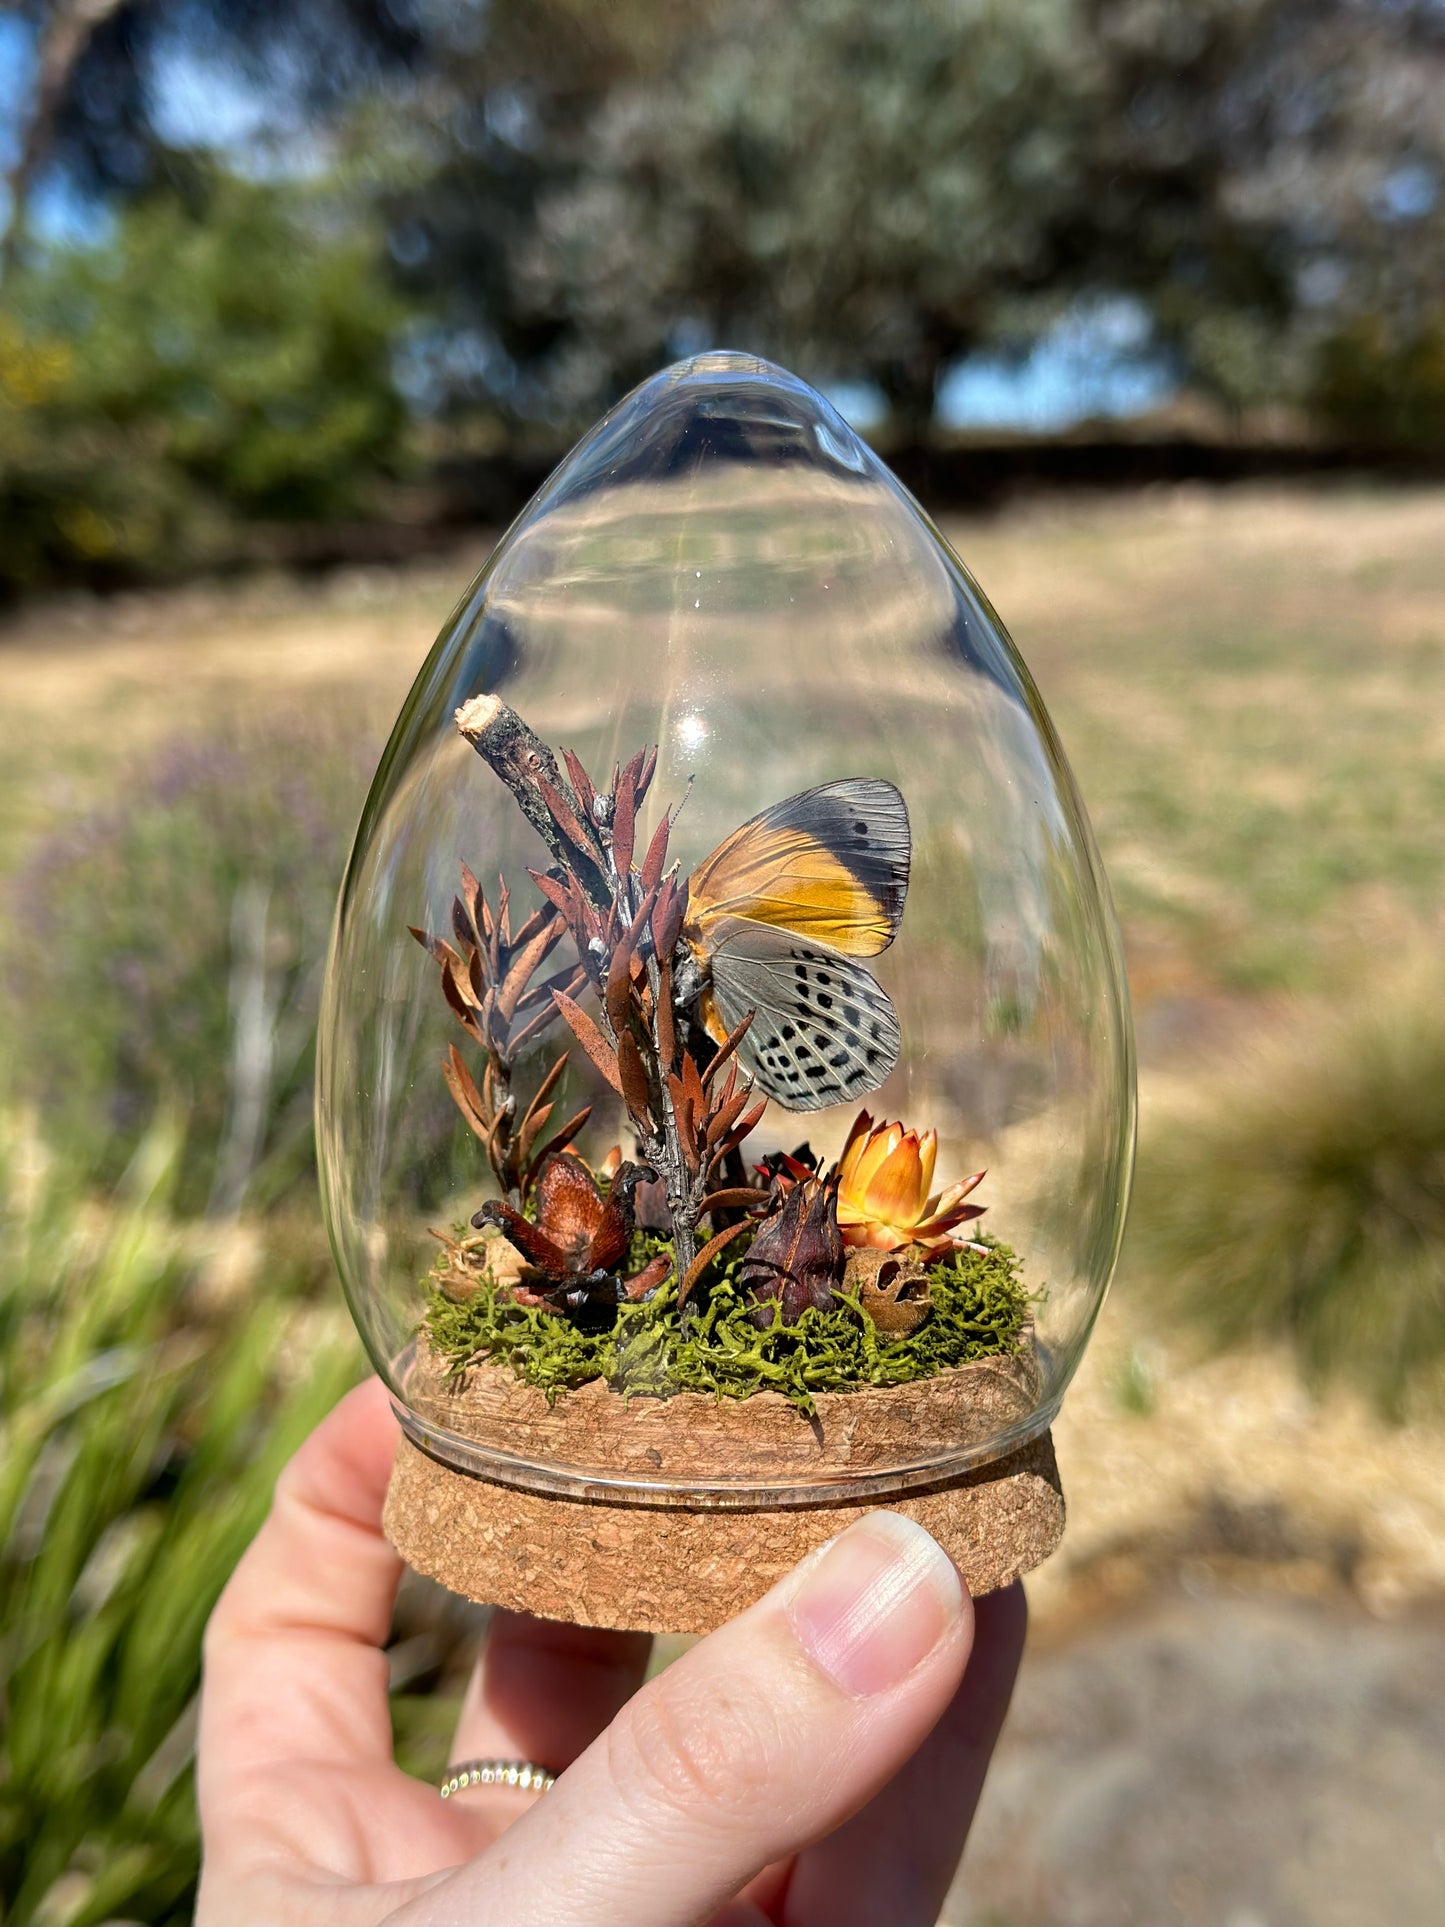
830,864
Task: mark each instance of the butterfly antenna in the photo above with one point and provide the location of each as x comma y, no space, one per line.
679,806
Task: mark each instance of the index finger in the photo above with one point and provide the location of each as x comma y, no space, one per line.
294,1666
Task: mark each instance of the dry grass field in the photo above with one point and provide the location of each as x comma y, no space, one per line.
1251,685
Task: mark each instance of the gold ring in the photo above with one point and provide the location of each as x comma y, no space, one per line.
525,1775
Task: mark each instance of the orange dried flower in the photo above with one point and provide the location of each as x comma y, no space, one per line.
883,1193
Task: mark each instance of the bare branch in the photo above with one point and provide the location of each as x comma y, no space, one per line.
524,762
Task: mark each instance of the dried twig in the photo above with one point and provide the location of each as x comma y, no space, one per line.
529,770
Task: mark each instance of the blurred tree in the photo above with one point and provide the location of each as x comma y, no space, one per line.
869,189
1378,382
850,185
513,115
63,32
199,366
1292,156
98,109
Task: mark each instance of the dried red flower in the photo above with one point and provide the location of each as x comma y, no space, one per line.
579,1239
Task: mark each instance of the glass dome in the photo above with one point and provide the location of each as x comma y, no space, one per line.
725,1084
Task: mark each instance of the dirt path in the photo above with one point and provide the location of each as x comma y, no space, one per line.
1232,1711
1219,1762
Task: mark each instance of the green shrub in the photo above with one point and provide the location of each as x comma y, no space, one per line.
1384,384
1303,1198
168,949
228,361
143,1428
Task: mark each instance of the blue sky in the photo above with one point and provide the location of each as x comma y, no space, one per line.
1098,362
17,71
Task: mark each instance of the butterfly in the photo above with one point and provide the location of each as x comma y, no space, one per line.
776,919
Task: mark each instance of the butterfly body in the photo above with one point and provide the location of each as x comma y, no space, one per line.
777,919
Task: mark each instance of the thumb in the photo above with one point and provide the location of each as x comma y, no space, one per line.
764,1737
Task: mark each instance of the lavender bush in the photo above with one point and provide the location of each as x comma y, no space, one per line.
167,949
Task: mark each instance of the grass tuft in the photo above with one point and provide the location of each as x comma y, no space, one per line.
1303,1199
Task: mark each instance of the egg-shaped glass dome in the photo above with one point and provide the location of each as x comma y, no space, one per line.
725,1084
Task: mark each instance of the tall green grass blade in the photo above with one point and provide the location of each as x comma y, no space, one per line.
142,1432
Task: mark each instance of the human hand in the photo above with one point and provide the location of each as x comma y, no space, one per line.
815,1762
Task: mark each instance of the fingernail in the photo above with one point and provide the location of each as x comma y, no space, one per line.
876,1604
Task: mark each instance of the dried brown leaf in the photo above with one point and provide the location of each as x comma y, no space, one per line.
567,820
692,1086
668,921
617,992
468,1098
724,1118
465,1013
462,927
545,1089
553,889
631,770
746,1126
558,1141
538,920
704,1257
437,948
625,818
726,1048
665,1023
480,909
523,1034
524,961
470,993
624,821
491,1029
635,1093
655,860
647,771
570,979
735,1197
590,1038
631,943
529,1130
581,781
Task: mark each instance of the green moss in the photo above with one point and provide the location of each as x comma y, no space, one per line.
979,1309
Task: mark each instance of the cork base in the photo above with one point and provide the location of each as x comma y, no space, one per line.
654,1569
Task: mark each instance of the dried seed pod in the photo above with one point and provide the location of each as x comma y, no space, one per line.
797,1257
892,1287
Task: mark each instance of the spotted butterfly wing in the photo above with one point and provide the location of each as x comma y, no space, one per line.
823,1031
830,864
